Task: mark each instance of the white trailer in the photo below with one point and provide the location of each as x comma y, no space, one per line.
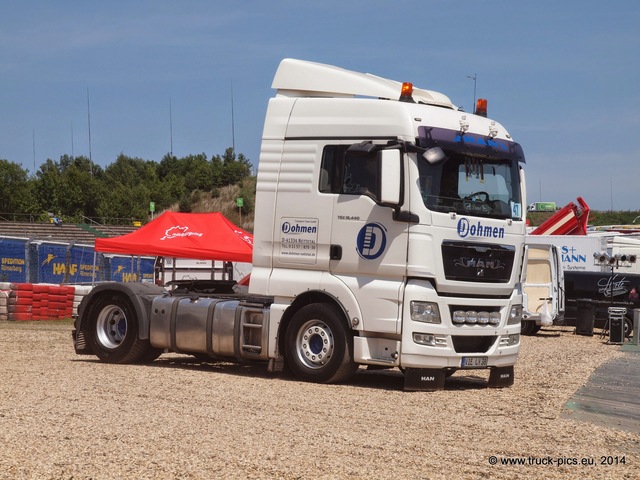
575,251
627,247
389,232
547,258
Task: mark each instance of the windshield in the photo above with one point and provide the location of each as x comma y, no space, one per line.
472,185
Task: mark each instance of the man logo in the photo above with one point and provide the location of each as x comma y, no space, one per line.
372,240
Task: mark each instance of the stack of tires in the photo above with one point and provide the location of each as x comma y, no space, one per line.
52,301
36,301
39,301
79,294
4,299
20,301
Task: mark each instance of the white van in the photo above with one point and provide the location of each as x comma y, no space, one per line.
543,301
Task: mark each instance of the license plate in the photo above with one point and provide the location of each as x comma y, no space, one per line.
474,362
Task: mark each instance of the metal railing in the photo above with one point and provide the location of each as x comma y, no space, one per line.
44,217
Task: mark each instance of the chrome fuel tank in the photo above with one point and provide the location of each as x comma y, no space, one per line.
220,327
194,324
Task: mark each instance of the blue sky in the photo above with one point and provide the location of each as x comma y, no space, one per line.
562,77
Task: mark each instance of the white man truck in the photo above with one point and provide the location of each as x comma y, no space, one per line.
389,232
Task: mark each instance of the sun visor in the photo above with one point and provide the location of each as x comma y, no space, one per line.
470,143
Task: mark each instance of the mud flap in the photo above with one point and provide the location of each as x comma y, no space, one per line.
275,365
424,379
501,377
80,343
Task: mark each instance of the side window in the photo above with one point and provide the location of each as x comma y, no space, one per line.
330,168
351,174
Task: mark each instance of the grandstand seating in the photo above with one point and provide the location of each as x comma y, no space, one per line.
66,233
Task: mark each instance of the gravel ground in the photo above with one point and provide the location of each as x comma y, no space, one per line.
69,416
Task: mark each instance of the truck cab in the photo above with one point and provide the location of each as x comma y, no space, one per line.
398,209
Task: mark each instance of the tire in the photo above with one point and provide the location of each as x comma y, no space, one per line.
628,327
529,327
318,345
113,332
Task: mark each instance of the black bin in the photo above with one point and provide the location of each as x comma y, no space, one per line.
616,329
584,316
616,324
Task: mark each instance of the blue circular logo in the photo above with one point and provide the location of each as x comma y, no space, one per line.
372,240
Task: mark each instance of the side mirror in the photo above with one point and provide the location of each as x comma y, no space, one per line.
434,156
390,176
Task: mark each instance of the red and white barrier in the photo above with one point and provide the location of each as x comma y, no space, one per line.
38,301
4,298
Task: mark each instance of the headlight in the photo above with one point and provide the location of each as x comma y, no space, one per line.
424,339
483,318
515,316
459,316
430,340
473,317
425,312
509,340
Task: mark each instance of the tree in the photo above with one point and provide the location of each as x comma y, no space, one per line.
78,189
169,165
49,187
18,193
81,180
168,190
197,171
70,187
129,182
234,169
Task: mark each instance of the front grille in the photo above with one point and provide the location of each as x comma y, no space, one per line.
472,344
472,262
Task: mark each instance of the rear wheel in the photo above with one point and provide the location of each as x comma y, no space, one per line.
113,332
318,345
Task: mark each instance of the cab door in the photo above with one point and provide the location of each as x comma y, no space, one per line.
368,247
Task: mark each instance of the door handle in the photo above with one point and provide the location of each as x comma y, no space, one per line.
335,252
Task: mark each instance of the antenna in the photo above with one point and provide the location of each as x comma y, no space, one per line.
170,130
473,77
233,125
71,139
34,150
611,187
540,188
89,123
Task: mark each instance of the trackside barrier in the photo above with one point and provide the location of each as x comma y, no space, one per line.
37,301
57,263
4,297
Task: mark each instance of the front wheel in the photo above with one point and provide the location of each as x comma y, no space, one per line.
529,327
318,345
113,332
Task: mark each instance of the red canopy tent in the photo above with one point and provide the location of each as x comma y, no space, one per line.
202,236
